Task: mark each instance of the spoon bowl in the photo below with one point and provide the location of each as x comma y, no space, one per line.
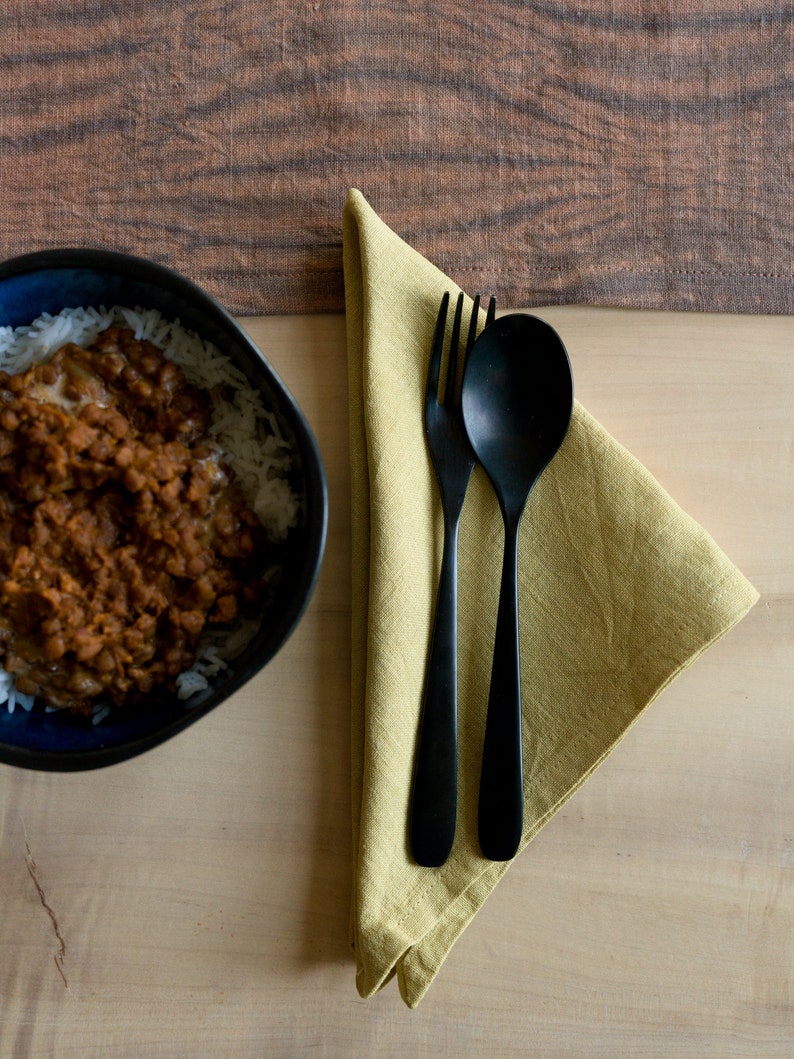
517,400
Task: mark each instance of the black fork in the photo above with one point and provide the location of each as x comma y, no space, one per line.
434,795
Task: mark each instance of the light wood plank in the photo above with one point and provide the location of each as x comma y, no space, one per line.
201,892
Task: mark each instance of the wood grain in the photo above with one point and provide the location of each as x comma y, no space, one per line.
622,153
196,899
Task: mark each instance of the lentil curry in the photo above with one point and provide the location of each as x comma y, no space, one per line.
122,534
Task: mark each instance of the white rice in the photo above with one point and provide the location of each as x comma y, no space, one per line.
247,433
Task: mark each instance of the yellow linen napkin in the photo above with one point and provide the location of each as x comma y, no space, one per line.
619,591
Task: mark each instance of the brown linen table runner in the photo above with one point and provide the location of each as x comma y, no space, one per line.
617,152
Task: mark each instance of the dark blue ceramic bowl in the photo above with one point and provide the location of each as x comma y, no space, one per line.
52,280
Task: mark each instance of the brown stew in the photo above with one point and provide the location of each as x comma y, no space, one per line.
122,533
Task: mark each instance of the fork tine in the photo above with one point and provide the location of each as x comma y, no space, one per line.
452,359
475,319
436,351
491,315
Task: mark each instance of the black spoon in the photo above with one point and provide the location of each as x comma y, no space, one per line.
517,401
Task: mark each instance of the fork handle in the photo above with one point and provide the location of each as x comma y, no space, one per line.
434,796
501,806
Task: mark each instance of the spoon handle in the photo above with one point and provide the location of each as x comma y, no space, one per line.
434,796
501,808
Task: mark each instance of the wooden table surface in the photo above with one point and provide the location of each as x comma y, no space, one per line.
194,901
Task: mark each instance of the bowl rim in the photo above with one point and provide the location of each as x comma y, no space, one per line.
145,270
